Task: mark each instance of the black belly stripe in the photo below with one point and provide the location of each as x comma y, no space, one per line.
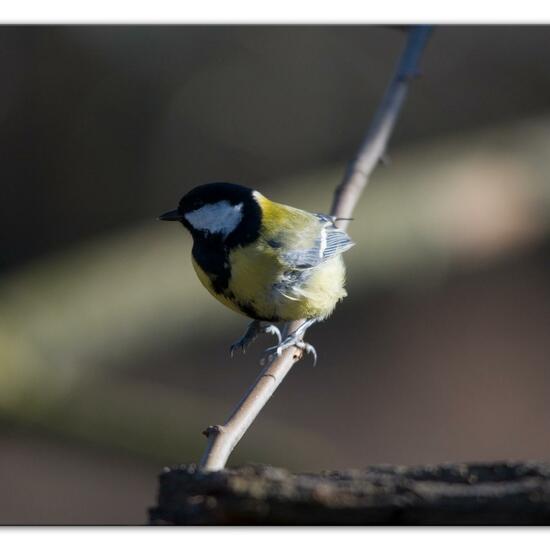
249,310
214,261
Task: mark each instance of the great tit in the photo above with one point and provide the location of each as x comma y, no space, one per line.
265,260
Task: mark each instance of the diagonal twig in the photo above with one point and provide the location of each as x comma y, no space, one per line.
222,439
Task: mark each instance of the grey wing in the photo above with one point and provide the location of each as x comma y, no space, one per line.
323,241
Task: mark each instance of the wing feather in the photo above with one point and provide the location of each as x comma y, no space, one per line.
318,241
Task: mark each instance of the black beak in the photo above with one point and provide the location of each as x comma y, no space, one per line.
172,216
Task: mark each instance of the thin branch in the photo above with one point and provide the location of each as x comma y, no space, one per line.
222,439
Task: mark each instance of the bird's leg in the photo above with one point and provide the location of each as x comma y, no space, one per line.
296,339
254,328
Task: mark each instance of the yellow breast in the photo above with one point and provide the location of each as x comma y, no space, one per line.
204,278
255,280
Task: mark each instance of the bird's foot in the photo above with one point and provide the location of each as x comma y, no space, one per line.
253,330
289,342
295,339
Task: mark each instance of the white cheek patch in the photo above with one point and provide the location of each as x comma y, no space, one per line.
220,217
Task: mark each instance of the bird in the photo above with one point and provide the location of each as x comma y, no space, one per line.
268,261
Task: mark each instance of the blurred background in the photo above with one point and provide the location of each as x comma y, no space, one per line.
113,358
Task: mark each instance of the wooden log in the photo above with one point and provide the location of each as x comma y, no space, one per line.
499,493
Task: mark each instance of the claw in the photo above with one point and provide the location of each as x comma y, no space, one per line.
272,329
308,348
252,331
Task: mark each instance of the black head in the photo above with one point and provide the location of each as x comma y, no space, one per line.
219,211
